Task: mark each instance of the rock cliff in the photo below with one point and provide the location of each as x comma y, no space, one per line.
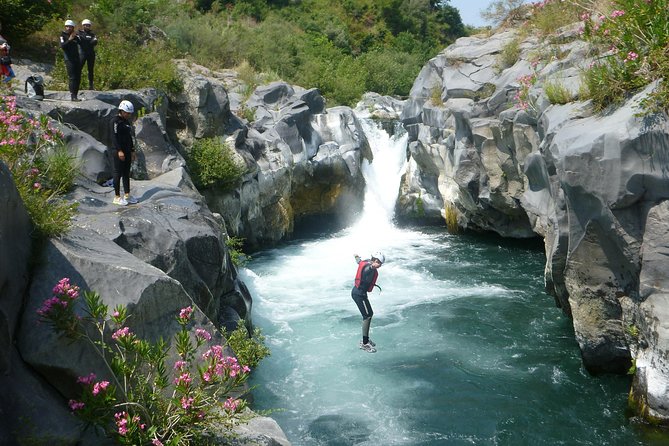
593,186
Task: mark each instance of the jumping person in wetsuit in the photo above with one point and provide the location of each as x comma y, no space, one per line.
365,280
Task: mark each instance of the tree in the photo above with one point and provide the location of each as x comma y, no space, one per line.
22,17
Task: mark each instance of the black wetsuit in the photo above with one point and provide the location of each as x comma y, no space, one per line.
72,62
122,139
87,42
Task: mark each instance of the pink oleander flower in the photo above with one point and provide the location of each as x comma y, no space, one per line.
187,403
231,404
180,365
121,422
90,379
122,333
631,56
185,313
206,376
75,405
184,379
116,314
48,306
203,334
99,387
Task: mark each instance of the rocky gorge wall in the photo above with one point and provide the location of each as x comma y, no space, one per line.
593,186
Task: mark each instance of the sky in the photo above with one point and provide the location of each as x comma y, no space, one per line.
470,11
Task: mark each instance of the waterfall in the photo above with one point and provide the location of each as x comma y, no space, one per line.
382,178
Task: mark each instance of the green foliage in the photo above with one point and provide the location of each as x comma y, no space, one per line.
451,217
41,167
632,38
557,93
212,164
22,17
249,349
141,400
633,331
420,206
342,48
435,96
235,245
122,16
390,71
509,55
548,16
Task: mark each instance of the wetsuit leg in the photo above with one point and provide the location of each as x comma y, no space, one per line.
90,64
366,311
364,306
74,76
116,172
126,173
121,172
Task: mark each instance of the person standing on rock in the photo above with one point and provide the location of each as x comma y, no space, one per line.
6,63
365,281
87,42
69,42
122,153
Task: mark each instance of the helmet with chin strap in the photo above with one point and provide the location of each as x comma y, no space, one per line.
126,106
379,256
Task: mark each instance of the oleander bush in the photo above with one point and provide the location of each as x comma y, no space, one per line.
42,168
144,397
631,37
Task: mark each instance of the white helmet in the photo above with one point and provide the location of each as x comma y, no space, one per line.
126,106
86,22
70,23
379,256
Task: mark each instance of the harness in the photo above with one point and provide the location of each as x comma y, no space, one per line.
358,275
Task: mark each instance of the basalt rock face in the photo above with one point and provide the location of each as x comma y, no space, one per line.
305,161
594,186
168,251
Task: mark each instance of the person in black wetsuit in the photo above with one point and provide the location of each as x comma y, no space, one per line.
365,281
122,152
69,42
87,42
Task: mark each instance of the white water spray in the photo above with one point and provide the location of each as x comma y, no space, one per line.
382,176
